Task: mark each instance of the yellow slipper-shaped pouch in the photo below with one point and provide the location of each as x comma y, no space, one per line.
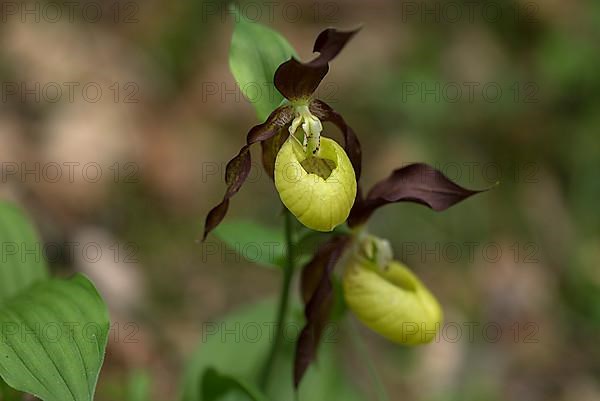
319,190
392,301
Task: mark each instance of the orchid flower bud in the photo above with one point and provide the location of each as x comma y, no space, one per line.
387,297
315,179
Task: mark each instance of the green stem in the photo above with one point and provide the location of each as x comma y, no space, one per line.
366,356
288,273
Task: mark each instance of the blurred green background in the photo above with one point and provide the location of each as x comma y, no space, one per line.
485,91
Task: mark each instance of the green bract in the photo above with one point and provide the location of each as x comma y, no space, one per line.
389,299
256,52
318,190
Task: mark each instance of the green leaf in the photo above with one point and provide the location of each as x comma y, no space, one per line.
255,53
54,335
138,387
256,243
224,346
216,386
21,260
324,380
239,344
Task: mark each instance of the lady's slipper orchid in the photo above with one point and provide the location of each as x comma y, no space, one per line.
302,116
381,292
388,298
317,181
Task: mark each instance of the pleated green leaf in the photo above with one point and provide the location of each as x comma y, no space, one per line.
236,347
21,260
255,53
255,242
53,339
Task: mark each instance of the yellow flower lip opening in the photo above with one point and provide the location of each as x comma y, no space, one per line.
319,190
390,300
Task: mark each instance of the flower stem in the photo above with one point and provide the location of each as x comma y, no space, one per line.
366,356
288,272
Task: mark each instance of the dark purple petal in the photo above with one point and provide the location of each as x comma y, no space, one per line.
238,168
330,43
317,293
297,80
272,135
270,148
418,183
351,143
278,119
236,173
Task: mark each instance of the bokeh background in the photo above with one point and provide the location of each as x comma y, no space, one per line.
115,130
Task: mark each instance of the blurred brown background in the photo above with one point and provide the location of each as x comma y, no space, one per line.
117,119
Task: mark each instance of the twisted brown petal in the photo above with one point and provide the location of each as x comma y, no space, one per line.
238,168
236,172
317,293
270,148
278,119
351,143
417,183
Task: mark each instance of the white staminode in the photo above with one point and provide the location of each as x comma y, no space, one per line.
377,250
311,126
